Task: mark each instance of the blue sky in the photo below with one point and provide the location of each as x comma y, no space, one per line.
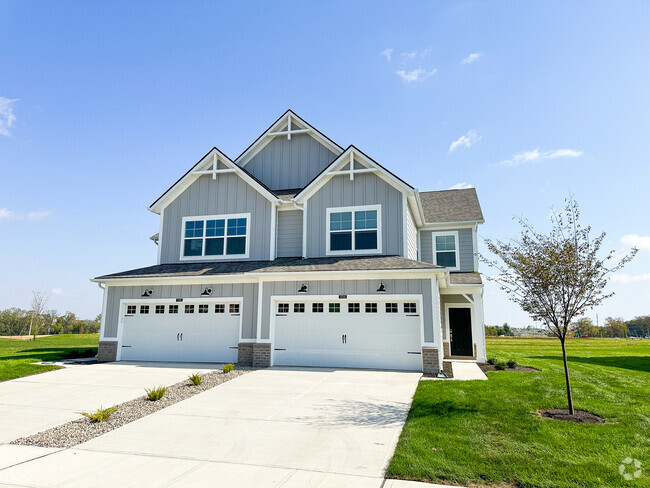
104,104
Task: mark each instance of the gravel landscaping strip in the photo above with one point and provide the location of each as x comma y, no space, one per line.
82,430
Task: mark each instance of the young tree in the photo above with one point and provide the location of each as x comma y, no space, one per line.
39,304
555,277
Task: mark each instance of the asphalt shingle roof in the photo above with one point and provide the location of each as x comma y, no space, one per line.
465,279
280,265
451,206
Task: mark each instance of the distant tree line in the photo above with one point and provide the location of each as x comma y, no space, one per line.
614,327
496,330
16,321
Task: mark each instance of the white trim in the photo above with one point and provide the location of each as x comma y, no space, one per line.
437,317
457,250
333,170
405,237
224,256
260,301
274,234
447,328
353,251
274,130
274,299
102,324
156,301
475,246
304,230
160,235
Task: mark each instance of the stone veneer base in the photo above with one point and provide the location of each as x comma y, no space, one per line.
107,351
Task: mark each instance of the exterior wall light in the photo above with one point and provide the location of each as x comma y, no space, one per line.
207,292
303,289
382,288
147,292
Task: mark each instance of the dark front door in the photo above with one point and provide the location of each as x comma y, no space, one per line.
460,331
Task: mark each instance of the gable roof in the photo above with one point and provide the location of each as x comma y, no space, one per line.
344,159
451,206
274,130
210,160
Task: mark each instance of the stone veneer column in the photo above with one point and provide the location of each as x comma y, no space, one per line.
430,360
107,351
261,355
245,354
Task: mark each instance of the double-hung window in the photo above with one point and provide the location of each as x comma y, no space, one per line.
445,249
215,237
354,230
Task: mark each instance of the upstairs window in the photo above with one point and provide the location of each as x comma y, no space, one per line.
215,237
446,249
354,230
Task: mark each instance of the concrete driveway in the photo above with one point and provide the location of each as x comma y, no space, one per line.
270,428
35,403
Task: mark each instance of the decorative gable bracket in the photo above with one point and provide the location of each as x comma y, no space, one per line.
215,168
290,130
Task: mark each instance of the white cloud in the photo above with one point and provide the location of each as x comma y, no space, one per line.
627,279
416,54
57,291
472,58
6,214
7,117
419,74
461,186
634,240
536,155
466,140
38,215
387,53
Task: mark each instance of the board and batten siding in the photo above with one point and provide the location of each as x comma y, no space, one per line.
284,164
465,247
246,290
289,236
420,286
365,189
228,194
411,236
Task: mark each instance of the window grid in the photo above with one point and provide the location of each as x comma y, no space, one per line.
410,307
234,308
334,307
353,307
189,308
283,308
160,309
220,308
371,308
144,309
298,308
131,309
173,309
203,308
317,307
391,308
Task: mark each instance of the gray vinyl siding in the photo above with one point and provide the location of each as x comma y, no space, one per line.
228,194
349,287
289,239
465,248
291,163
365,189
246,290
412,236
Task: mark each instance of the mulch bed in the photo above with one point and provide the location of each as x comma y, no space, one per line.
521,369
579,416
77,431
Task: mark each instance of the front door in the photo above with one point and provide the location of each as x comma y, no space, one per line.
460,331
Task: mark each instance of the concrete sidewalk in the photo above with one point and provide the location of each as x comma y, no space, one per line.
284,427
35,403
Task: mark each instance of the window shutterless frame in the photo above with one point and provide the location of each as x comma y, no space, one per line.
199,227
446,235
354,229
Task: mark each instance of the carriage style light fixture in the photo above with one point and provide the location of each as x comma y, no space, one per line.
303,289
207,292
147,292
382,288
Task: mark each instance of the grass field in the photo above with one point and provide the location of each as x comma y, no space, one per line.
488,432
16,355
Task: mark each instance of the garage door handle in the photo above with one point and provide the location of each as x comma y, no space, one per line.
276,349
177,336
413,352
344,339
181,337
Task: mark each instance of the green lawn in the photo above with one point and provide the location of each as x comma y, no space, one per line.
16,356
487,432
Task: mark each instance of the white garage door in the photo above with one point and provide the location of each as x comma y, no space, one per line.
190,332
346,333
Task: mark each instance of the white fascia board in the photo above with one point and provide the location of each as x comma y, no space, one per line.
416,208
341,161
207,161
266,137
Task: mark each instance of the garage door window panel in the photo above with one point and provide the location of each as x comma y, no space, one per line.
144,309
354,307
173,309
131,309
219,308
298,308
160,309
371,308
233,308
189,308
317,308
334,307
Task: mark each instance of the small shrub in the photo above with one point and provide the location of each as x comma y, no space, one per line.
512,363
195,379
500,365
156,394
227,368
492,360
100,415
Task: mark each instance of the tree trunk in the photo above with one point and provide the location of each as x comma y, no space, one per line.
568,380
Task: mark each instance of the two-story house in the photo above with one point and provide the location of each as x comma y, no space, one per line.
302,253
